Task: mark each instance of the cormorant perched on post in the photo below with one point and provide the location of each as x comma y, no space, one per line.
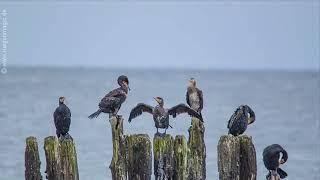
272,160
240,119
112,101
161,114
62,119
194,96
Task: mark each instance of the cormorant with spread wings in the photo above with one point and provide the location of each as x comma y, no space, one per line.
161,114
112,102
240,119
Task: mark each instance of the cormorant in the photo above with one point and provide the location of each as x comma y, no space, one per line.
240,119
161,114
194,96
272,160
112,101
62,119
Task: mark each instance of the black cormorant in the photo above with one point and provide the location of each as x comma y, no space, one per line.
62,119
272,160
240,119
194,96
112,101
161,114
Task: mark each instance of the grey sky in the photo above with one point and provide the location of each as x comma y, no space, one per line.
249,35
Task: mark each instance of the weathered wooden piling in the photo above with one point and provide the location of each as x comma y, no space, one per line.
61,159
118,164
68,159
139,157
181,151
163,156
197,154
236,158
32,160
53,167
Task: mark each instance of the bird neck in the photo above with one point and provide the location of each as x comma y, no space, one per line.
124,87
61,103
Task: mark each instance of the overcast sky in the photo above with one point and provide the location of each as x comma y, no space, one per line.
250,35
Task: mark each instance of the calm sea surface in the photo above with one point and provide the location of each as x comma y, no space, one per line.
286,106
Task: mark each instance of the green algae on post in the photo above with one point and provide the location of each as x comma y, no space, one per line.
32,160
181,151
163,156
139,157
118,164
197,153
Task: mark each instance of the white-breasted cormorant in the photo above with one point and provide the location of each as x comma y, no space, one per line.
161,114
194,96
240,119
272,160
62,119
112,101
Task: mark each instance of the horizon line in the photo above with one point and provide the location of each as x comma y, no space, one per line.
163,68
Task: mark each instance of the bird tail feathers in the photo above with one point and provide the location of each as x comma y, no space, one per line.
282,173
95,114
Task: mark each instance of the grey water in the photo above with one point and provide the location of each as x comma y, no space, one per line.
286,106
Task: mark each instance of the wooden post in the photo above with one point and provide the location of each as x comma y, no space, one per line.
236,158
163,156
229,158
248,162
197,156
32,160
61,159
118,165
68,159
51,148
180,158
139,157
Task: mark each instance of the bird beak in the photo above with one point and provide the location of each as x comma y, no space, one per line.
129,88
156,99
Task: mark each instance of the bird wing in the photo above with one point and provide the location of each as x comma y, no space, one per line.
182,108
61,114
200,98
187,97
139,109
115,93
235,116
108,102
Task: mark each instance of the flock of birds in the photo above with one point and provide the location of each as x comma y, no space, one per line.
273,155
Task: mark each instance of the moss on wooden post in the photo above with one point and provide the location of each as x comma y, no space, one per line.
181,151
51,148
61,158
197,155
32,160
139,157
229,158
118,165
236,158
68,160
163,156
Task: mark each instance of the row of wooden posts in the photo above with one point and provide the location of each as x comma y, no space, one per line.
174,158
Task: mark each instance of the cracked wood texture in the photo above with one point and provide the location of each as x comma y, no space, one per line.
139,157
118,164
163,156
236,158
61,158
32,160
197,153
